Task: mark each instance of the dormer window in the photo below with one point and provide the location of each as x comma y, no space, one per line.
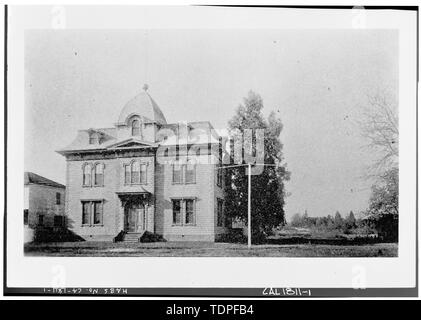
93,138
135,127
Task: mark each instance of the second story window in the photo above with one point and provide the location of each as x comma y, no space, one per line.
87,175
127,174
135,127
142,173
219,176
190,172
177,173
99,175
93,175
184,173
58,198
135,173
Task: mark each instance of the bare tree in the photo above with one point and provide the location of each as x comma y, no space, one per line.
380,126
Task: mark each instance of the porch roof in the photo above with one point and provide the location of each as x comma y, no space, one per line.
141,192
132,193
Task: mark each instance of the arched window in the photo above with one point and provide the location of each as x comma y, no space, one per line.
99,174
87,175
135,172
135,127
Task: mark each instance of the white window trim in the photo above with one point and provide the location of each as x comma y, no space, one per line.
183,212
92,212
93,182
89,184
183,173
129,165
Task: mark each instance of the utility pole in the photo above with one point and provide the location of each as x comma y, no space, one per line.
249,207
249,194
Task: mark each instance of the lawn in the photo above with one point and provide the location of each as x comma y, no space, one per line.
206,249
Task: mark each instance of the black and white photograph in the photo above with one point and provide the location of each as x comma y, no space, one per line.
284,135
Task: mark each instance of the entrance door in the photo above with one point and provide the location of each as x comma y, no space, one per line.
134,218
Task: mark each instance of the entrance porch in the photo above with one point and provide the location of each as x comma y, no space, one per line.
137,212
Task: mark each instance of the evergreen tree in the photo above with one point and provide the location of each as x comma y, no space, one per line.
268,190
339,222
350,220
296,220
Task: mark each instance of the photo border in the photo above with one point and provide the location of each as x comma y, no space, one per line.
213,292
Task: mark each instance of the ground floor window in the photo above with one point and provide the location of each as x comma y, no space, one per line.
58,221
184,212
97,212
86,213
25,217
220,213
92,212
189,217
40,219
58,198
176,212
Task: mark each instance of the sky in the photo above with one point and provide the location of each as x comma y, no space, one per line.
316,81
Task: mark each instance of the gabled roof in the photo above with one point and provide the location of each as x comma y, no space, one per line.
33,178
131,143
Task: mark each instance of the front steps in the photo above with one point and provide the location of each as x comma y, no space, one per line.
132,237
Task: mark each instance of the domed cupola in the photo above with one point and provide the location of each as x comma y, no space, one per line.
143,106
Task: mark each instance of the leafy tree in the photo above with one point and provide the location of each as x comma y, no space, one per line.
380,127
268,190
385,195
383,209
